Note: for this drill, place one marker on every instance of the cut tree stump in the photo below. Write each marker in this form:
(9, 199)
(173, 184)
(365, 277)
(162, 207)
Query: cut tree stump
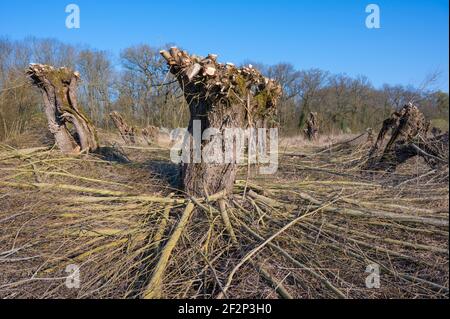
(127, 132)
(409, 138)
(150, 134)
(312, 127)
(220, 96)
(59, 90)
(133, 135)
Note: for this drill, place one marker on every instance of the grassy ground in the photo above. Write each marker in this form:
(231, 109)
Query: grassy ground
(309, 231)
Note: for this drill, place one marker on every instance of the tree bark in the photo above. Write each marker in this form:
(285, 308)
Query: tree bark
(150, 134)
(133, 135)
(312, 127)
(127, 132)
(219, 96)
(59, 87)
(408, 126)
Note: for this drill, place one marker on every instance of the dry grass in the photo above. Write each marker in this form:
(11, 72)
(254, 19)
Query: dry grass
(309, 231)
(300, 142)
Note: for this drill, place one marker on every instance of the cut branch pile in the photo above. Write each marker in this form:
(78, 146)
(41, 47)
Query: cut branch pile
(309, 232)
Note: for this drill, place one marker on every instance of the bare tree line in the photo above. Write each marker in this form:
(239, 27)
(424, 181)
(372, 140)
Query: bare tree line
(138, 85)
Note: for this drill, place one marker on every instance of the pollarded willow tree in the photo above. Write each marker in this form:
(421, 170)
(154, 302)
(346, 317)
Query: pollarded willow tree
(312, 126)
(409, 138)
(133, 135)
(127, 132)
(59, 90)
(220, 96)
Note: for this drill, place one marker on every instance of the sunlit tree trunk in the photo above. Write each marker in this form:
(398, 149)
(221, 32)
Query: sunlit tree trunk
(59, 89)
(219, 96)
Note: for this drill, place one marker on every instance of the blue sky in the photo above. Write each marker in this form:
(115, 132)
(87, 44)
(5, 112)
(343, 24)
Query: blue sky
(328, 34)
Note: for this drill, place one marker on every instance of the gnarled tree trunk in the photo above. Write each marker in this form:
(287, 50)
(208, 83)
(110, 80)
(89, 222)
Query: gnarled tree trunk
(150, 134)
(219, 96)
(133, 135)
(408, 126)
(127, 132)
(59, 88)
(312, 126)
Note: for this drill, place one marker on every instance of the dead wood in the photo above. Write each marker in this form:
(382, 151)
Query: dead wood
(435, 131)
(434, 150)
(132, 135)
(127, 132)
(409, 138)
(312, 127)
(150, 134)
